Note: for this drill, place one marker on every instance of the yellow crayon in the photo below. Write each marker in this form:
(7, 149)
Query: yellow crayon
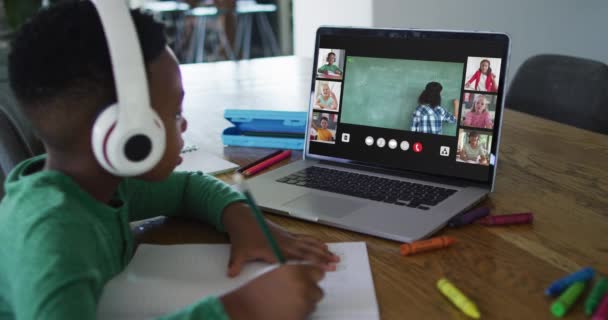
(458, 298)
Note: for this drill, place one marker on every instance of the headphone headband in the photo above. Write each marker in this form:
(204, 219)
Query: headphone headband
(128, 137)
(127, 59)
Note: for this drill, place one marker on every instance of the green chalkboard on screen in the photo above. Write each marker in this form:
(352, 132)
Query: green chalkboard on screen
(382, 92)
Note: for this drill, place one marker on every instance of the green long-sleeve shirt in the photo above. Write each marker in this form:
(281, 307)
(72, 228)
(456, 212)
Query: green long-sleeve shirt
(331, 68)
(59, 246)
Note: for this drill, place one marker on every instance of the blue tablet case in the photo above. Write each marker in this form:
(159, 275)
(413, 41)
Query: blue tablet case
(266, 122)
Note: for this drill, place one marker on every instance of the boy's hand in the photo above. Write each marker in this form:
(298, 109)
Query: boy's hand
(288, 292)
(250, 244)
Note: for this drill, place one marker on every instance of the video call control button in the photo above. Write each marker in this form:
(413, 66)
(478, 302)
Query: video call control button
(405, 145)
(380, 142)
(369, 141)
(392, 143)
(417, 147)
(346, 137)
(444, 151)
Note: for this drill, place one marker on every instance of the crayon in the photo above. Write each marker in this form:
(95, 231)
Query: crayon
(426, 245)
(595, 296)
(469, 217)
(243, 168)
(560, 285)
(567, 299)
(602, 311)
(267, 163)
(507, 219)
(458, 298)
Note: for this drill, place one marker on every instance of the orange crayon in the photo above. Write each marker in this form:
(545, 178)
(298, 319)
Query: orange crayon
(426, 245)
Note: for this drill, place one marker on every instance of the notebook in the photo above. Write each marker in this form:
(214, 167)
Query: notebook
(405, 150)
(195, 159)
(161, 279)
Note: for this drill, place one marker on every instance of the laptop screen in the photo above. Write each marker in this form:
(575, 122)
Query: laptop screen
(411, 100)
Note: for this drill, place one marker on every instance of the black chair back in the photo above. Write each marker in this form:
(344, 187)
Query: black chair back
(566, 89)
(17, 142)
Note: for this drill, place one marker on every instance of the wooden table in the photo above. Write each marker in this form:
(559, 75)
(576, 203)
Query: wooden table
(556, 171)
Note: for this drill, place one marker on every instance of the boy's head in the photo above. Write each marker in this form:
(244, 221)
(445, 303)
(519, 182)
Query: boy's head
(473, 139)
(331, 58)
(60, 71)
(324, 122)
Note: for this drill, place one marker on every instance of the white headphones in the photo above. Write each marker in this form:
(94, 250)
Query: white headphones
(128, 137)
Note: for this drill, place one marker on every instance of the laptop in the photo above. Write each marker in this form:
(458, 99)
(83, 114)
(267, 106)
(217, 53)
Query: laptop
(403, 131)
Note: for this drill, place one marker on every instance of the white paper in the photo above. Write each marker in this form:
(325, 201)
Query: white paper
(162, 279)
(199, 160)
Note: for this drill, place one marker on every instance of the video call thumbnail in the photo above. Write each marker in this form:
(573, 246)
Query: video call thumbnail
(478, 110)
(323, 127)
(482, 74)
(330, 64)
(327, 95)
(473, 147)
(411, 95)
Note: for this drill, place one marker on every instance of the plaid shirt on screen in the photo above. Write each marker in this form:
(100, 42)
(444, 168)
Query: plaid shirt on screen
(429, 120)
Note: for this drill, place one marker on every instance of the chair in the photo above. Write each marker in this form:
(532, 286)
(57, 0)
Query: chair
(17, 143)
(173, 14)
(566, 89)
(247, 10)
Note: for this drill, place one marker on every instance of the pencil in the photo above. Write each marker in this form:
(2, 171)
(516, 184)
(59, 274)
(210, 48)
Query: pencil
(241, 169)
(238, 178)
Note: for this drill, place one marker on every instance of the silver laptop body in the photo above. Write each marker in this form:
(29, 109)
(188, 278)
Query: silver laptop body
(396, 57)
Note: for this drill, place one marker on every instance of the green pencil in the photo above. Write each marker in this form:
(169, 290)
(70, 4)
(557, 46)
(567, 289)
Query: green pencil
(238, 178)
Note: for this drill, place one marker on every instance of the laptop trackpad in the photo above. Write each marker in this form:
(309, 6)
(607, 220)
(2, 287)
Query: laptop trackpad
(316, 204)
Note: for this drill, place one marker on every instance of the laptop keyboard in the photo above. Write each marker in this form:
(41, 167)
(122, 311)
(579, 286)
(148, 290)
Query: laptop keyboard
(397, 192)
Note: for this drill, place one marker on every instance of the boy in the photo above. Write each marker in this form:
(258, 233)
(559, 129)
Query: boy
(323, 134)
(64, 220)
(473, 151)
(330, 66)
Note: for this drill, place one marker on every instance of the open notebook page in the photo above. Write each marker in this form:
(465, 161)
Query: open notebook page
(195, 159)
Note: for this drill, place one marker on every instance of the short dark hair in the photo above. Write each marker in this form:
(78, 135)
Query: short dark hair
(431, 94)
(325, 118)
(60, 60)
(330, 54)
(473, 134)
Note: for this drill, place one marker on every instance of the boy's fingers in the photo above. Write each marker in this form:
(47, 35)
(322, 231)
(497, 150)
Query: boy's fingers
(315, 294)
(314, 253)
(310, 239)
(237, 261)
(235, 264)
(318, 243)
(316, 273)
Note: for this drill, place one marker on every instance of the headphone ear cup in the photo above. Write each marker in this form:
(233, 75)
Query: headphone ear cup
(128, 149)
(103, 127)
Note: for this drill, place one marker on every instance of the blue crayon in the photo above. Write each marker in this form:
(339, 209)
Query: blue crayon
(469, 217)
(562, 284)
